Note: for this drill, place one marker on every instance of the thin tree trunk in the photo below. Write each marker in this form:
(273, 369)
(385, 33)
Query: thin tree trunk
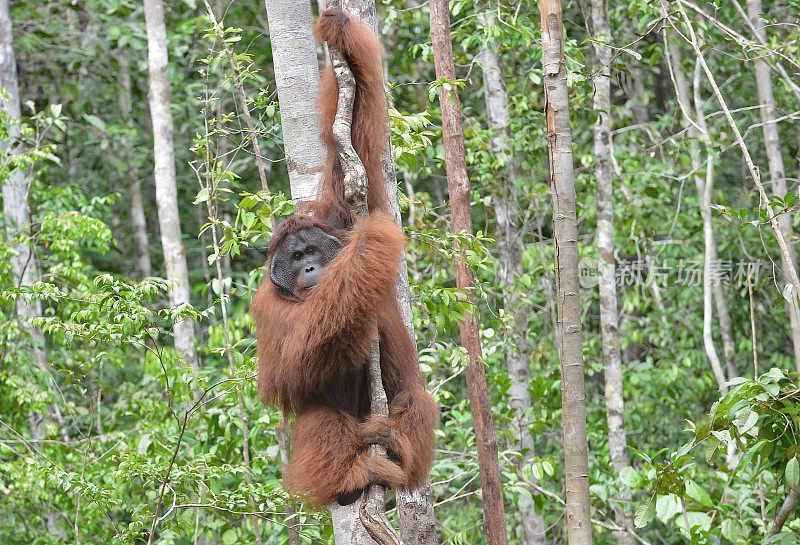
(24, 268)
(777, 173)
(141, 245)
(609, 318)
(683, 95)
(164, 174)
(510, 268)
(565, 228)
(459, 189)
(696, 45)
(283, 433)
(705, 187)
(294, 55)
(724, 317)
(415, 507)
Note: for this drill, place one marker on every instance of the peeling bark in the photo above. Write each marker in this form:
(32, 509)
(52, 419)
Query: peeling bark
(565, 226)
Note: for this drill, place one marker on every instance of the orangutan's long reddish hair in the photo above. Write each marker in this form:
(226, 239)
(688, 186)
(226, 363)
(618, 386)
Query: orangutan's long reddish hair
(311, 363)
(370, 118)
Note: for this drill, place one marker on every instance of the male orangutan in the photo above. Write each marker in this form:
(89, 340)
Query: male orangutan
(328, 281)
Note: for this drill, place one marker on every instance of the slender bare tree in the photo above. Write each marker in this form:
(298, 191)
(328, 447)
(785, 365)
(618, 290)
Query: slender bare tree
(777, 173)
(458, 186)
(509, 250)
(141, 245)
(565, 227)
(609, 317)
(704, 185)
(164, 174)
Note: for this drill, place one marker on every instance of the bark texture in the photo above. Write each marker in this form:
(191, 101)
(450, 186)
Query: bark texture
(459, 189)
(509, 249)
(609, 317)
(141, 246)
(164, 174)
(294, 55)
(565, 226)
(777, 173)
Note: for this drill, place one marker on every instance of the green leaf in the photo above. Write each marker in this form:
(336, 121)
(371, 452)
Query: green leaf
(229, 536)
(792, 472)
(202, 196)
(746, 421)
(629, 476)
(645, 513)
(731, 530)
(698, 494)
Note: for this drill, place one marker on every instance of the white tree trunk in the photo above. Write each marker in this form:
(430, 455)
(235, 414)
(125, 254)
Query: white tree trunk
(24, 267)
(683, 95)
(510, 268)
(164, 174)
(15, 189)
(141, 244)
(609, 317)
(294, 55)
(777, 173)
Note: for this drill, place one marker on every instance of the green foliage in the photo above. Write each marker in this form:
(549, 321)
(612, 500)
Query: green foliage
(115, 431)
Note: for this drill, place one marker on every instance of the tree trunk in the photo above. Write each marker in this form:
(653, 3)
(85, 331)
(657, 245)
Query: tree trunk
(164, 174)
(777, 173)
(609, 318)
(565, 228)
(141, 245)
(704, 186)
(415, 507)
(24, 268)
(458, 186)
(294, 55)
(509, 249)
(297, 81)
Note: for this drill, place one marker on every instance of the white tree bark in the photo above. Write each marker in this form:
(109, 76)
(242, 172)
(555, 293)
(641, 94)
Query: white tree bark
(24, 267)
(777, 173)
(141, 244)
(704, 187)
(509, 248)
(609, 317)
(164, 174)
(15, 188)
(294, 56)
